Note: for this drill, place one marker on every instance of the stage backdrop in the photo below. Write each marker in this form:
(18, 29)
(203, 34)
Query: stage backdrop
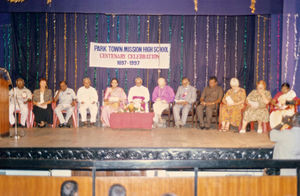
(56, 46)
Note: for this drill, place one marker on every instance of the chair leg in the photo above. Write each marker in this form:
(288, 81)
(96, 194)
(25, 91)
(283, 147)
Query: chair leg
(251, 126)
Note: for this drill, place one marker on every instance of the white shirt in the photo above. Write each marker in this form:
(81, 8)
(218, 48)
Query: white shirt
(66, 97)
(139, 92)
(87, 95)
(22, 95)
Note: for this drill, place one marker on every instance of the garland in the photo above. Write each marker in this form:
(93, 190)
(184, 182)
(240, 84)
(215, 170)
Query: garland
(287, 46)
(65, 46)
(138, 39)
(96, 39)
(245, 50)
(28, 47)
(47, 52)
(159, 40)
(37, 49)
(206, 44)
(264, 48)
(75, 51)
(296, 46)
(269, 48)
(195, 50)
(181, 50)
(118, 40)
(9, 47)
(54, 51)
(127, 36)
(235, 46)
(107, 40)
(4, 45)
(86, 44)
(217, 45)
(225, 51)
(257, 46)
(170, 40)
(148, 39)
(278, 53)
(19, 45)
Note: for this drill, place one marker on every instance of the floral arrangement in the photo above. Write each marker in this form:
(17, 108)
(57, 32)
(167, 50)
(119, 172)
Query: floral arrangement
(133, 107)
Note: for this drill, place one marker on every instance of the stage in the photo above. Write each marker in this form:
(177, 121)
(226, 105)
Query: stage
(156, 144)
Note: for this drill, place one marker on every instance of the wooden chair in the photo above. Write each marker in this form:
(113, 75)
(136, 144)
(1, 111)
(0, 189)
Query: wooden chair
(74, 116)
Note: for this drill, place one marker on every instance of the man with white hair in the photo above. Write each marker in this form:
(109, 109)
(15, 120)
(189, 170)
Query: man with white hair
(22, 95)
(139, 94)
(162, 95)
(185, 96)
(87, 98)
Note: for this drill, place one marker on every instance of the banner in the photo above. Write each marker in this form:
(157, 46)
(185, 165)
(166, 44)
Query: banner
(130, 55)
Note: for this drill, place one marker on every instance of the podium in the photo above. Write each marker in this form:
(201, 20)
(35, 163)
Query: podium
(4, 105)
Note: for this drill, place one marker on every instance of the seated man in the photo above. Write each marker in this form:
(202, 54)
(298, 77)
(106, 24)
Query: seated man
(161, 96)
(287, 141)
(22, 96)
(66, 99)
(87, 97)
(185, 96)
(139, 95)
(210, 98)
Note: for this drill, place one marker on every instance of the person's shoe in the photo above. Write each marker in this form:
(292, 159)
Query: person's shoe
(85, 125)
(259, 131)
(177, 124)
(92, 125)
(242, 131)
(61, 125)
(67, 125)
(207, 128)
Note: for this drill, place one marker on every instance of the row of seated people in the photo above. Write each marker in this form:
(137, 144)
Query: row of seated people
(232, 107)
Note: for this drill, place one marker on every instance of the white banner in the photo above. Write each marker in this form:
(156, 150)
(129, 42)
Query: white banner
(130, 55)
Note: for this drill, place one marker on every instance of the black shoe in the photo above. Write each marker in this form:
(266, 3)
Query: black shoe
(207, 128)
(67, 125)
(202, 127)
(61, 125)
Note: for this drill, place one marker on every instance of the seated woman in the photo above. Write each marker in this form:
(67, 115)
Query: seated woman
(233, 103)
(256, 109)
(114, 101)
(283, 105)
(42, 99)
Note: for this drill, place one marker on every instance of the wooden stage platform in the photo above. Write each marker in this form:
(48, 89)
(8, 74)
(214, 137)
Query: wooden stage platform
(156, 144)
(155, 138)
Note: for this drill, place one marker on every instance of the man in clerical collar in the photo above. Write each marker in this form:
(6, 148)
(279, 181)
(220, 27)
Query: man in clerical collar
(139, 95)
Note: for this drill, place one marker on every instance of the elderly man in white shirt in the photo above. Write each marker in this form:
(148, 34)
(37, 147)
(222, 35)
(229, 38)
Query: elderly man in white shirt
(66, 102)
(22, 95)
(87, 97)
(139, 94)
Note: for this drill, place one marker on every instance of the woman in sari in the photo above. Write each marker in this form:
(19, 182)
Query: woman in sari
(257, 110)
(114, 101)
(283, 105)
(232, 105)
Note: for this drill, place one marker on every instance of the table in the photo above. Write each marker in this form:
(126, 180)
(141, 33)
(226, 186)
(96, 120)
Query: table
(128, 120)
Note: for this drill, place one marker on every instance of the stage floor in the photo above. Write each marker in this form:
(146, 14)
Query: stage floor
(156, 138)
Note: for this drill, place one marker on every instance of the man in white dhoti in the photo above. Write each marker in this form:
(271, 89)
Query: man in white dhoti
(185, 97)
(87, 98)
(22, 95)
(66, 102)
(139, 95)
